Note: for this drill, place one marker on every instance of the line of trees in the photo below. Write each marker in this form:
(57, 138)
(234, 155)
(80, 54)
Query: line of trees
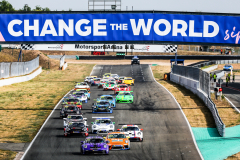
(5, 6)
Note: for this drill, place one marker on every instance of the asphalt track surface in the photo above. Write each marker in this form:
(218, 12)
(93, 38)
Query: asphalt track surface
(166, 133)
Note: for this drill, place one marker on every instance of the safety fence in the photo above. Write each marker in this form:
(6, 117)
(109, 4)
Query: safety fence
(62, 60)
(18, 68)
(207, 63)
(200, 85)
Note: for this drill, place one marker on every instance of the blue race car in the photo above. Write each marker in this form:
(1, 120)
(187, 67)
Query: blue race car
(109, 98)
(228, 67)
(102, 106)
(85, 91)
(94, 145)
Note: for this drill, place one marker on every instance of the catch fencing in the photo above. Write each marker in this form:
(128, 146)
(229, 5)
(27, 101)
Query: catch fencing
(62, 60)
(18, 68)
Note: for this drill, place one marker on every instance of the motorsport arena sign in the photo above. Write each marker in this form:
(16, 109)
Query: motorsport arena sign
(134, 27)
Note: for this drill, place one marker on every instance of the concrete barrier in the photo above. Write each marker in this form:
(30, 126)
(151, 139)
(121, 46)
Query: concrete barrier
(193, 86)
(210, 68)
(10, 81)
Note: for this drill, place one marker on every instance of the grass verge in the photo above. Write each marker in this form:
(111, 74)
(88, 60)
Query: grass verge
(7, 155)
(234, 157)
(193, 107)
(25, 106)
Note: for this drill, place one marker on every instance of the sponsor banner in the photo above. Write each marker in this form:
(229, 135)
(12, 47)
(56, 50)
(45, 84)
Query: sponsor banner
(99, 47)
(134, 27)
(98, 53)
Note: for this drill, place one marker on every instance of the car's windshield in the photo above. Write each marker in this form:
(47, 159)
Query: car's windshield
(128, 78)
(79, 94)
(75, 117)
(124, 93)
(70, 108)
(123, 86)
(121, 77)
(96, 79)
(77, 125)
(116, 136)
(108, 98)
(72, 100)
(95, 140)
(102, 103)
(103, 121)
(111, 83)
(126, 129)
(228, 66)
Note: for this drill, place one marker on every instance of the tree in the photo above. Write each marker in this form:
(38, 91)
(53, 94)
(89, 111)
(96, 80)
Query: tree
(38, 8)
(25, 8)
(5, 6)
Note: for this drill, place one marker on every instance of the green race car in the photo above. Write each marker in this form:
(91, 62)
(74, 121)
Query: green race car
(124, 97)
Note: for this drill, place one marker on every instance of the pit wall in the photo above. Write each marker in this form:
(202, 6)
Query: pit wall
(193, 85)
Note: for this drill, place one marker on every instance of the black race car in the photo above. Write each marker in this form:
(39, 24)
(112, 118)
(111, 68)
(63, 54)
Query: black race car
(135, 60)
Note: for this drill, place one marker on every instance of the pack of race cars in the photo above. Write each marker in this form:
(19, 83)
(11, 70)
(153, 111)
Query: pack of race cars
(75, 123)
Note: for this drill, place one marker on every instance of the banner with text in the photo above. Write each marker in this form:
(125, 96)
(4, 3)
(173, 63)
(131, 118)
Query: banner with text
(119, 27)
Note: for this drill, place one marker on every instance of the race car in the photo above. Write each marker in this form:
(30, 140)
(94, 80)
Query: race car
(120, 80)
(76, 128)
(135, 60)
(107, 75)
(93, 76)
(102, 106)
(128, 80)
(102, 82)
(72, 101)
(88, 79)
(115, 76)
(94, 145)
(80, 96)
(133, 131)
(95, 81)
(118, 141)
(82, 85)
(109, 85)
(121, 87)
(73, 117)
(85, 91)
(103, 125)
(69, 109)
(109, 98)
(228, 67)
(124, 97)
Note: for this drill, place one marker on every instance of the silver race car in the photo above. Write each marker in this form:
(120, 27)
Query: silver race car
(103, 125)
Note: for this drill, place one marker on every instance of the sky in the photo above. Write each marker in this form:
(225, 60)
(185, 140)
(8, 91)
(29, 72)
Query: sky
(215, 6)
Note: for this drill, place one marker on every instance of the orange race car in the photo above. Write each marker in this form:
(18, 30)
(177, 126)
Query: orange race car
(118, 140)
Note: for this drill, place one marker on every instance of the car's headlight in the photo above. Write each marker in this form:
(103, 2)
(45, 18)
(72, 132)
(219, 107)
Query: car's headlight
(126, 141)
(85, 146)
(111, 126)
(105, 146)
(94, 126)
(139, 133)
(109, 107)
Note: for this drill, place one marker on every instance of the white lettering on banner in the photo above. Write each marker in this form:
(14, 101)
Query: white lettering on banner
(112, 26)
(206, 27)
(191, 30)
(10, 28)
(97, 27)
(141, 24)
(87, 28)
(125, 26)
(52, 31)
(63, 26)
(35, 27)
(157, 24)
(181, 30)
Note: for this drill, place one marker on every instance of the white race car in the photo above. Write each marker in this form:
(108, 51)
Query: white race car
(133, 132)
(88, 79)
(74, 118)
(82, 85)
(103, 125)
(109, 85)
(81, 96)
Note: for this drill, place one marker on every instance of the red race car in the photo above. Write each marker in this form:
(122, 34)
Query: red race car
(121, 87)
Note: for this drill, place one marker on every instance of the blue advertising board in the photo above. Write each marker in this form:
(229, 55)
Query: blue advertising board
(125, 27)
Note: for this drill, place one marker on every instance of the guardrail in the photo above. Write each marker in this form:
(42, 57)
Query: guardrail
(18, 68)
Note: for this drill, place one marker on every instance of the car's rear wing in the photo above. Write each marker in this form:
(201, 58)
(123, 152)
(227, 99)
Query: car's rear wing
(125, 91)
(82, 88)
(104, 117)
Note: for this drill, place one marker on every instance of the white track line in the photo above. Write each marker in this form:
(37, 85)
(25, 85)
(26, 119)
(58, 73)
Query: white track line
(189, 126)
(45, 123)
(232, 105)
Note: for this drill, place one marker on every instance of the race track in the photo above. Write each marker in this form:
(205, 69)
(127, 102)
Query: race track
(166, 133)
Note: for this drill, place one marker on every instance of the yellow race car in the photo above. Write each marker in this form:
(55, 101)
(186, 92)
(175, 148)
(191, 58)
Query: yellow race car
(107, 75)
(128, 80)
